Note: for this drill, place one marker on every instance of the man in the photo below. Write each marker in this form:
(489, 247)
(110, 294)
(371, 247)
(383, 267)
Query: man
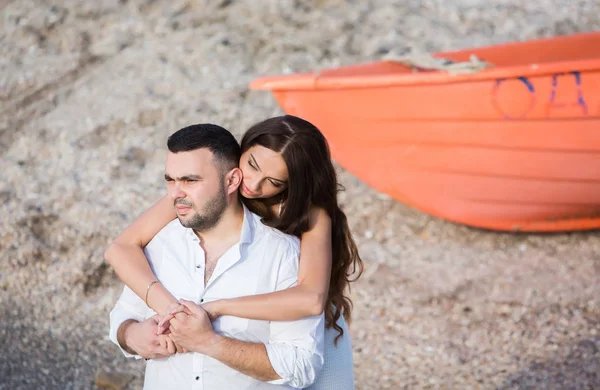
(217, 249)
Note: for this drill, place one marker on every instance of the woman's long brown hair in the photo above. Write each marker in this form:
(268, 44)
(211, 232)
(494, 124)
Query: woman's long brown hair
(312, 182)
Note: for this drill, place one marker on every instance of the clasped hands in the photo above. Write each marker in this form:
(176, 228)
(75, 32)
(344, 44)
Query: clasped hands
(185, 328)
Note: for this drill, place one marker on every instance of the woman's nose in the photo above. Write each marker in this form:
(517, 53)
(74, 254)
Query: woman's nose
(254, 185)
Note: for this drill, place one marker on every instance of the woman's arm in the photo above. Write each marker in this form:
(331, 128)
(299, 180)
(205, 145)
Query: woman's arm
(305, 299)
(126, 256)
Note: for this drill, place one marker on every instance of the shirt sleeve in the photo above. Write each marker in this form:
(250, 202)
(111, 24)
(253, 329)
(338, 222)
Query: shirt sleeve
(130, 306)
(295, 348)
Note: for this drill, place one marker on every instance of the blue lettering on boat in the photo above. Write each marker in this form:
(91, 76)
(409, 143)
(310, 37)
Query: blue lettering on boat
(552, 101)
(530, 88)
(580, 99)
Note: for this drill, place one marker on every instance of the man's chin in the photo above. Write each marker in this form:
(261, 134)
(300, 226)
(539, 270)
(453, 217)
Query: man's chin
(185, 220)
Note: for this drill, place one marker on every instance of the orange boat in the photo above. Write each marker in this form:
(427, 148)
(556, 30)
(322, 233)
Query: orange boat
(513, 147)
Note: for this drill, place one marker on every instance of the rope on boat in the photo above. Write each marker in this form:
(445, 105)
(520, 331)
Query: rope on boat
(429, 62)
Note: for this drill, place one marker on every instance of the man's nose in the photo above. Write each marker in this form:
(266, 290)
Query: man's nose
(175, 192)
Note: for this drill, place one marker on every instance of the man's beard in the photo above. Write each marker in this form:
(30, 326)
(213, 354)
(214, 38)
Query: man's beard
(211, 215)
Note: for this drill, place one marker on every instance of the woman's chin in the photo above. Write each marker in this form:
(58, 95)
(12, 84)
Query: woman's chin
(246, 196)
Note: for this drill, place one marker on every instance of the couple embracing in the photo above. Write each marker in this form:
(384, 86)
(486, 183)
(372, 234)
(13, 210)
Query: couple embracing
(239, 277)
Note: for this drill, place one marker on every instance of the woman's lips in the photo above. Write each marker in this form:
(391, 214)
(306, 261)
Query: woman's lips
(247, 191)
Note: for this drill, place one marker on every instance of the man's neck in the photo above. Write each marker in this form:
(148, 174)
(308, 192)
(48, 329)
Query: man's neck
(229, 226)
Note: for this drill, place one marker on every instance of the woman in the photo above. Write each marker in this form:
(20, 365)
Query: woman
(289, 180)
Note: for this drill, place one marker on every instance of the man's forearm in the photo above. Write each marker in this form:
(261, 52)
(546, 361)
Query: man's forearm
(248, 358)
(121, 336)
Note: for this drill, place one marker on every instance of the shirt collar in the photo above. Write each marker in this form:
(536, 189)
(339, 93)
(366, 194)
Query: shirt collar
(248, 226)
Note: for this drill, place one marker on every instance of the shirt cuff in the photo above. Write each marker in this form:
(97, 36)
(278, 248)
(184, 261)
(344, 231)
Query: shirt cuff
(298, 369)
(116, 320)
(282, 366)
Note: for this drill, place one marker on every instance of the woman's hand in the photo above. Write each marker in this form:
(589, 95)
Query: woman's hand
(192, 329)
(214, 308)
(164, 322)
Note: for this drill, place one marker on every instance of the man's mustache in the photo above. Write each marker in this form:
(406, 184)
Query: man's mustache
(183, 202)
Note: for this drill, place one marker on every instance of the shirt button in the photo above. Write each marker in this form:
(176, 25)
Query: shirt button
(201, 299)
(197, 266)
(197, 378)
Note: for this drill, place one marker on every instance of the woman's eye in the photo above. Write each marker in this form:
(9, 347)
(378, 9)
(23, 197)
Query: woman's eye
(276, 185)
(251, 164)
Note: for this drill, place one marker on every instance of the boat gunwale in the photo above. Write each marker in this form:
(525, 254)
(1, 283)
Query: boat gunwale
(314, 81)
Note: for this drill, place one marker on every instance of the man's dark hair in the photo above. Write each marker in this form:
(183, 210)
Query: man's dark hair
(218, 140)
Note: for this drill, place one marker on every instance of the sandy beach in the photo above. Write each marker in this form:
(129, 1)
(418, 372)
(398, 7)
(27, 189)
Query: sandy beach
(89, 93)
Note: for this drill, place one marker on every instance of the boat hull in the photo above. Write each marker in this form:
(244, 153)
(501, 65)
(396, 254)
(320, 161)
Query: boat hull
(511, 153)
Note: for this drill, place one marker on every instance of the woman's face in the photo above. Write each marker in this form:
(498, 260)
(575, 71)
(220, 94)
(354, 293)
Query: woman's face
(265, 173)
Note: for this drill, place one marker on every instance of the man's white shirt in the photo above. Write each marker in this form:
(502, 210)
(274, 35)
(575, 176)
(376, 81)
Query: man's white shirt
(263, 261)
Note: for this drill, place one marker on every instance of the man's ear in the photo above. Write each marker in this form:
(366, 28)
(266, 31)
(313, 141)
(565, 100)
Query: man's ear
(233, 179)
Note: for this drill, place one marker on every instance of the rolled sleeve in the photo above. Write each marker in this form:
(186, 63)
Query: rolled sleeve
(295, 348)
(299, 359)
(130, 306)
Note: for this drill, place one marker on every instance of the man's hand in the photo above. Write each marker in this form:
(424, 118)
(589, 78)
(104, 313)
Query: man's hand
(141, 338)
(163, 324)
(192, 329)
